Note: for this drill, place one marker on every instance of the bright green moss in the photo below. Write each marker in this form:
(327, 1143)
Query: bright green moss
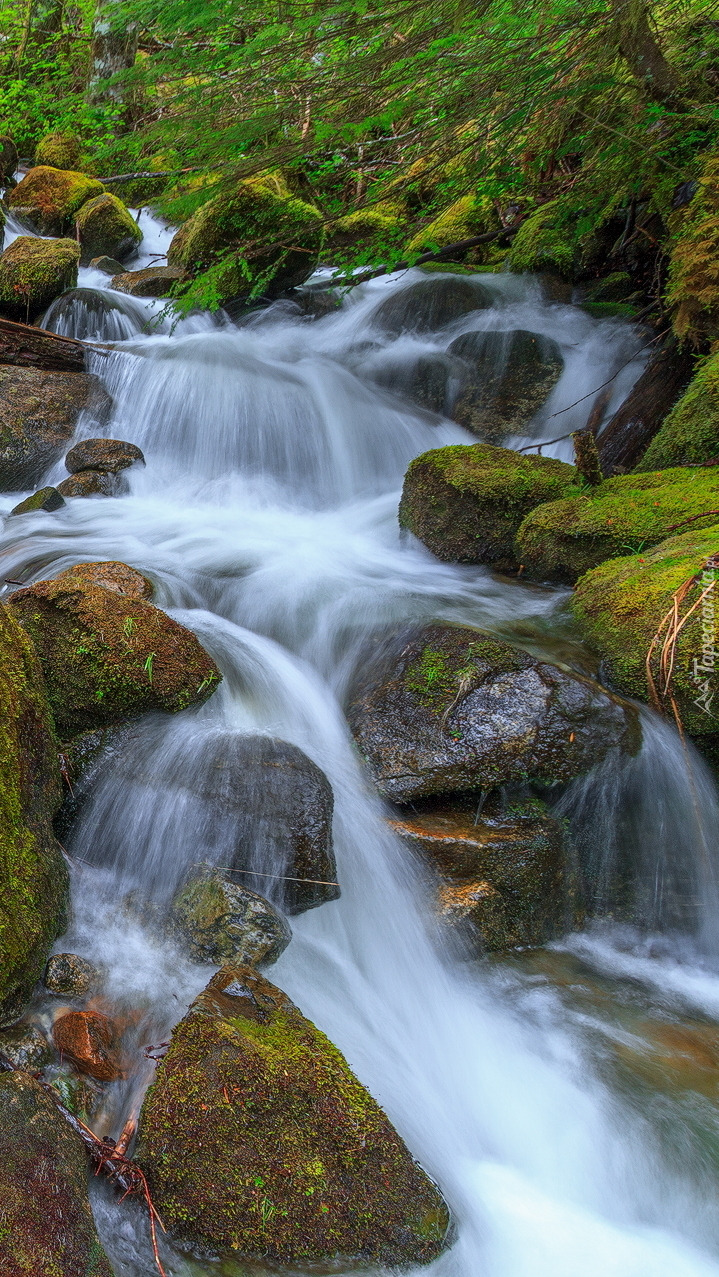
(541, 244)
(563, 539)
(694, 263)
(466, 502)
(59, 150)
(51, 197)
(35, 271)
(105, 227)
(621, 604)
(467, 217)
(690, 434)
(363, 227)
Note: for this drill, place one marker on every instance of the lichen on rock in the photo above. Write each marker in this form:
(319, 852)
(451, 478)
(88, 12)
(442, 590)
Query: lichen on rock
(467, 502)
(50, 198)
(33, 272)
(222, 921)
(257, 1140)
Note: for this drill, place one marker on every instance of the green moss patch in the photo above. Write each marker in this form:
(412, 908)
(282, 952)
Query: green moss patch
(33, 272)
(465, 218)
(694, 264)
(563, 539)
(542, 244)
(59, 150)
(466, 503)
(105, 227)
(51, 197)
(690, 433)
(256, 1139)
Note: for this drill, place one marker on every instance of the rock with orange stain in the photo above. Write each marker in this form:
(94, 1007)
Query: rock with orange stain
(88, 1039)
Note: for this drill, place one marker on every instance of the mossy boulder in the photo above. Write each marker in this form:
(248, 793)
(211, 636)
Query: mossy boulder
(693, 288)
(501, 872)
(59, 150)
(257, 1140)
(222, 921)
(363, 227)
(33, 880)
(429, 304)
(621, 604)
(441, 708)
(690, 433)
(563, 539)
(466, 217)
(426, 379)
(33, 272)
(466, 503)
(47, 1225)
(257, 237)
(107, 656)
(104, 226)
(48, 499)
(38, 415)
(505, 379)
(543, 243)
(50, 197)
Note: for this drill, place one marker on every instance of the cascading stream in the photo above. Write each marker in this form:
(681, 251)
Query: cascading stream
(266, 516)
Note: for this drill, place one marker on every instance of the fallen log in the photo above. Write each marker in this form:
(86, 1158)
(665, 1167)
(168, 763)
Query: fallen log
(628, 434)
(30, 347)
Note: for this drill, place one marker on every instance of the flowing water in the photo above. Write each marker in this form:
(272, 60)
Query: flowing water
(570, 1132)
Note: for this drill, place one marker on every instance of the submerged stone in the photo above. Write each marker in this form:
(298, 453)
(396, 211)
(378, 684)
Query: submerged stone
(93, 483)
(507, 378)
(222, 921)
(48, 1227)
(87, 1039)
(257, 1140)
(441, 708)
(466, 503)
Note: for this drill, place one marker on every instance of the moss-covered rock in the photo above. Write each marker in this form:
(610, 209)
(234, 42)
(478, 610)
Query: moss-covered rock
(621, 604)
(501, 872)
(50, 198)
(47, 1225)
(429, 304)
(694, 262)
(440, 708)
(363, 227)
(258, 236)
(33, 881)
(543, 244)
(104, 226)
(38, 415)
(33, 272)
(563, 539)
(59, 150)
(256, 1139)
(506, 378)
(690, 433)
(466, 503)
(45, 499)
(466, 217)
(222, 921)
(108, 657)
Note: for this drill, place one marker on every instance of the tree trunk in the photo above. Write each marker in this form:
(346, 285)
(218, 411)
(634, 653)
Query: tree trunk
(640, 50)
(113, 50)
(627, 436)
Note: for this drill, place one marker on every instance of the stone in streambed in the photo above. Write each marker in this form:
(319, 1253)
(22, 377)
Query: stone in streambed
(467, 503)
(50, 197)
(106, 656)
(69, 975)
(93, 483)
(429, 304)
(441, 708)
(47, 1225)
(108, 265)
(33, 272)
(38, 414)
(257, 1140)
(87, 1039)
(48, 499)
(110, 455)
(222, 921)
(507, 376)
(25, 1046)
(153, 281)
(104, 226)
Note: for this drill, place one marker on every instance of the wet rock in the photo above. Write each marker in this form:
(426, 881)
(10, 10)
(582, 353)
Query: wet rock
(442, 708)
(110, 455)
(620, 605)
(426, 379)
(47, 1221)
(104, 225)
(508, 376)
(467, 503)
(69, 975)
(554, 289)
(288, 1159)
(107, 657)
(8, 156)
(45, 499)
(33, 879)
(93, 483)
(117, 577)
(38, 415)
(502, 870)
(624, 440)
(563, 539)
(87, 1039)
(276, 808)
(30, 347)
(430, 304)
(33, 272)
(108, 265)
(81, 1094)
(224, 922)
(60, 150)
(153, 281)
(277, 233)
(50, 197)
(25, 1046)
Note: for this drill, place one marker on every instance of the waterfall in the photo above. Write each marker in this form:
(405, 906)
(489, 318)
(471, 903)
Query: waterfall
(266, 518)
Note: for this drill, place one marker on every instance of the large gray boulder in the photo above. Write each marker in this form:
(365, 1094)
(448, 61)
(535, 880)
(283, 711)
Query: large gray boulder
(430, 304)
(443, 708)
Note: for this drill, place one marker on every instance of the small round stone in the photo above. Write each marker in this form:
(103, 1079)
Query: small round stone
(110, 455)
